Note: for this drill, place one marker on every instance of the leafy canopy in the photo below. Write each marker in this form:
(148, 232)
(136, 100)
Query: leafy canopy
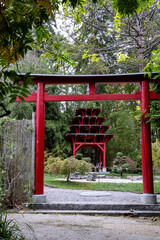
(22, 28)
(17, 21)
(129, 7)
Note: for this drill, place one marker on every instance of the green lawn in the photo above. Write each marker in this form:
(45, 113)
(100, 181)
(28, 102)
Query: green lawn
(50, 180)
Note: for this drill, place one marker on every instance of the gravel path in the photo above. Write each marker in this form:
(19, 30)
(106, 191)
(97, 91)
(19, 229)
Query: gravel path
(108, 197)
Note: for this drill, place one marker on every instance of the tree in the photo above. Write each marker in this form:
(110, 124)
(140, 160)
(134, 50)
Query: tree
(129, 7)
(122, 163)
(107, 43)
(71, 165)
(156, 153)
(127, 135)
(22, 27)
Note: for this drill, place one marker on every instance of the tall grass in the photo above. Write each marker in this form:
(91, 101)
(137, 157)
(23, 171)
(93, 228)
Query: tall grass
(9, 229)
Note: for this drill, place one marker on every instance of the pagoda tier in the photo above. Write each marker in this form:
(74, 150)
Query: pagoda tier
(87, 120)
(98, 138)
(87, 132)
(88, 128)
(88, 112)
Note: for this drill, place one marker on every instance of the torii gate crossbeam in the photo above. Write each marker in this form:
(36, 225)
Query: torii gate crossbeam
(144, 95)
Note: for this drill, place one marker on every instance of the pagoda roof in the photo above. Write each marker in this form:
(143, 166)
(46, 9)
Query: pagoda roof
(86, 125)
(97, 137)
(93, 119)
(91, 127)
(88, 111)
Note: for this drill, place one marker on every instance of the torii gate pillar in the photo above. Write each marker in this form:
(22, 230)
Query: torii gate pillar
(39, 196)
(148, 196)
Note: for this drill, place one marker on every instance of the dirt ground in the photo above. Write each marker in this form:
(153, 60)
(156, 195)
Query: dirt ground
(81, 227)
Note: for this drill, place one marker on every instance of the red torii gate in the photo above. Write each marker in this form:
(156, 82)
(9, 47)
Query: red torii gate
(144, 95)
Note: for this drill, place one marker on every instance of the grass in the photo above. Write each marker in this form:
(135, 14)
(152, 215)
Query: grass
(9, 229)
(52, 181)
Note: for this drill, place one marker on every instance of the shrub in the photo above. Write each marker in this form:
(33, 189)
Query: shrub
(156, 153)
(126, 165)
(71, 165)
(119, 154)
(123, 163)
(86, 159)
(51, 161)
(119, 170)
(114, 169)
(3, 191)
(79, 156)
(46, 156)
(116, 161)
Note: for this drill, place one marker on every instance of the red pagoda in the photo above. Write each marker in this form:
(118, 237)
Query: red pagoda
(87, 132)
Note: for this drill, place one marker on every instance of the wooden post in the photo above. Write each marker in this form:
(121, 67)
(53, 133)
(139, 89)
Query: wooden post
(104, 157)
(146, 140)
(100, 160)
(40, 123)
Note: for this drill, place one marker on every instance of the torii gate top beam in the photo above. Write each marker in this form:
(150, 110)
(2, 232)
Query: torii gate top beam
(89, 79)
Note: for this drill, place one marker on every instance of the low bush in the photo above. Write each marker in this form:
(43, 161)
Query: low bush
(114, 169)
(122, 164)
(71, 165)
(119, 154)
(119, 170)
(86, 159)
(116, 161)
(126, 165)
(51, 161)
(79, 156)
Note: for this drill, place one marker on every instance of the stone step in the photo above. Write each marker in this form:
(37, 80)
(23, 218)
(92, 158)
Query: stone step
(136, 213)
(93, 206)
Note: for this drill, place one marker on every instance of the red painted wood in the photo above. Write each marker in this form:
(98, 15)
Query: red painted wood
(100, 160)
(104, 156)
(98, 97)
(146, 140)
(40, 97)
(92, 89)
(154, 96)
(40, 122)
(88, 133)
(97, 79)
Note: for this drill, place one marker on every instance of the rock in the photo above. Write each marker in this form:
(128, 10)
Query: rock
(91, 177)
(75, 175)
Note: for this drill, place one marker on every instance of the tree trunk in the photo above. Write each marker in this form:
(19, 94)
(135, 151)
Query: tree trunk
(68, 177)
(140, 42)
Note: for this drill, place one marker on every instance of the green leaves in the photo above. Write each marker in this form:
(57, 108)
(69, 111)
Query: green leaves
(129, 7)
(13, 85)
(154, 64)
(125, 7)
(75, 3)
(156, 153)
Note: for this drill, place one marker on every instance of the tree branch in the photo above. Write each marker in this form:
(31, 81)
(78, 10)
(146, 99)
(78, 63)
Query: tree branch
(7, 112)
